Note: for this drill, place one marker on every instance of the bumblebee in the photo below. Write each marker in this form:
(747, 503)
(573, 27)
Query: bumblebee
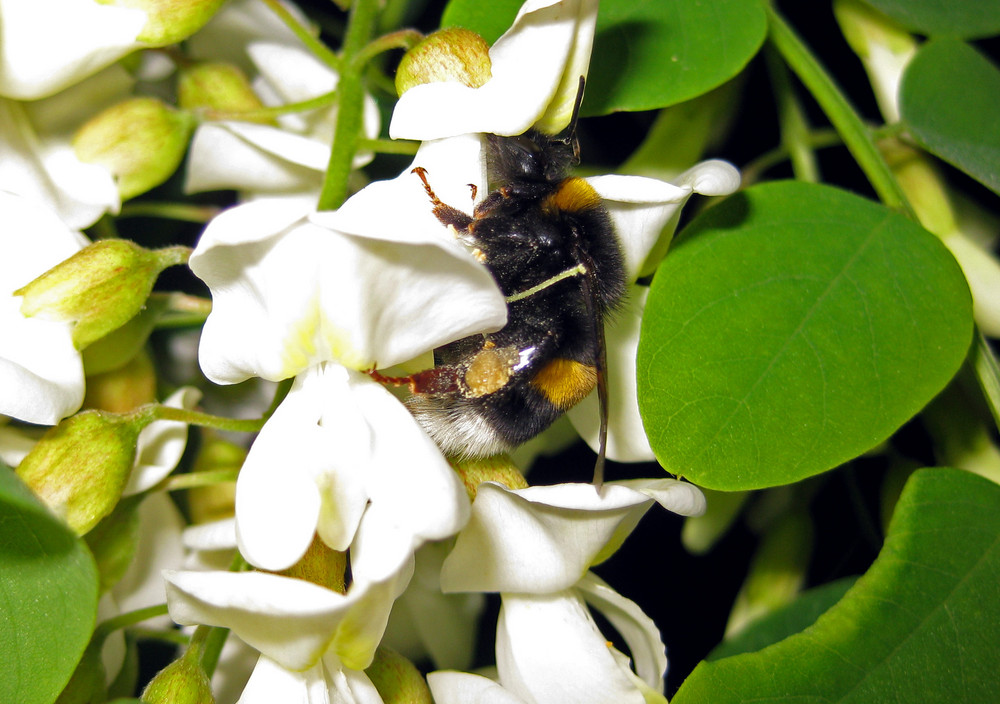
(548, 241)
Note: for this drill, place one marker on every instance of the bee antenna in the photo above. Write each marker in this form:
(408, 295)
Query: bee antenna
(569, 133)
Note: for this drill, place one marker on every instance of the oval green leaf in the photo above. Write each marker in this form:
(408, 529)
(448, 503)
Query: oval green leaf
(48, 587)
(949, 100)
(646, 55)
(790, 329)
(957, 18)
(919, 626)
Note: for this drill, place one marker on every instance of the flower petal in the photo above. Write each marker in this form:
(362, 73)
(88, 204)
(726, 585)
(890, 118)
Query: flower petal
(549, 650)
(316, 294)
(46, 45)
(627, 440)
(463, 687)
(289, 620)
(642, 207)
(253, 158)
(415, 496)
(567, 526)
(40, 370)
(548, 41)
(640, 633)
(161, 444)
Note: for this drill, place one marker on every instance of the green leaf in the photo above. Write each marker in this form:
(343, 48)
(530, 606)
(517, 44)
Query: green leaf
(646, 54)
(919, 626)
(958, 18)
(48, 592)
(790, 329)
(649, 55)
(488, 19)
(949, 100)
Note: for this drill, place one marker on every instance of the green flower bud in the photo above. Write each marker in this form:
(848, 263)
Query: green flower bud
(100, 288)
(123, 389)
(181, 682)
(499, 468)
(80, 467)
(210, 503)
(141, 141)
(218, 87)
(170, 21)
(397, 680)
(452, 54)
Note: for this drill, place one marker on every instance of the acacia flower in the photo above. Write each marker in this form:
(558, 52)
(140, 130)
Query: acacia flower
(535, 546)
(290, 154)
(300, 297)
(314, 642)
(41, 372)
(37, 159)
(535, 68)
(47, 45)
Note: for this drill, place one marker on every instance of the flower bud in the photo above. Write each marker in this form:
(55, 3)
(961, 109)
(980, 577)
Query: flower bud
(170, 21)
(397, 680)
(80, 467)
(452, 54)
(211, 503)
(123, 389)
(218, 87)
(141, 141)
(181, 682)
(100, 287)
(499, 468)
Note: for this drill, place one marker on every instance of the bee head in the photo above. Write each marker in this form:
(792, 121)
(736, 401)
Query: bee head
(535, 156)
(532, 156)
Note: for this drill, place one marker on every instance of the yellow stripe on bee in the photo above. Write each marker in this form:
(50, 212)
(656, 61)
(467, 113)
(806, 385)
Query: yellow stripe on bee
(565, 382)
(573, 195)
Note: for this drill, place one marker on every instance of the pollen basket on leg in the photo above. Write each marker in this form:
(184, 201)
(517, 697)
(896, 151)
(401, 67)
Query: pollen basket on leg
(565, 382)
(489, 370)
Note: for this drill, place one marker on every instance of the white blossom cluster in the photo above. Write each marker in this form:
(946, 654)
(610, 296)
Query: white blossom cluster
(320, 297)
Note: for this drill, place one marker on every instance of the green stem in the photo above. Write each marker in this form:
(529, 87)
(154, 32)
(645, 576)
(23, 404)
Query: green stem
(182, 415)
(350, 106)
(169, 211)
(842, 116)
(192, 480)
(389, 146)
(401, 39)
(269, 113)
(314, 45)
(129, 618)
(794, 128)
(819, 139)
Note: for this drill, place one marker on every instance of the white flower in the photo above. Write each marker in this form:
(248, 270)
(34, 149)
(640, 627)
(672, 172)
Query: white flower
(314, 642)
(41, 373)
(258, 158)
(47, 45)
(536, 67)
(535, 546)
(36, 153)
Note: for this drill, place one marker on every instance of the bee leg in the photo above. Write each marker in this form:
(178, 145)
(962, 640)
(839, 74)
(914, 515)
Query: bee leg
(442, 211)
(439, 380)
